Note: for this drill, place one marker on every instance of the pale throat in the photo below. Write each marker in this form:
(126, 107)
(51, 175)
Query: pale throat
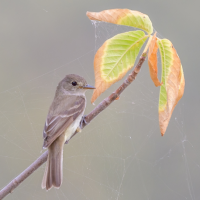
(77, 92)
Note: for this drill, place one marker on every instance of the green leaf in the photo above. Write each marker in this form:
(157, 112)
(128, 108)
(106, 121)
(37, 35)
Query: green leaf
(115, 57)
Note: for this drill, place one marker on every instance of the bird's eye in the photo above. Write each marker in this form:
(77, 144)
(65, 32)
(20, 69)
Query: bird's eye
(74, 83)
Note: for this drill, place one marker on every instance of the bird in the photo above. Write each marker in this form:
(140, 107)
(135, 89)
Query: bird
(63, 119)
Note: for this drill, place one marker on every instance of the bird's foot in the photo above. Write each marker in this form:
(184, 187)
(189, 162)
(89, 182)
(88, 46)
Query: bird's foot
(82, 122)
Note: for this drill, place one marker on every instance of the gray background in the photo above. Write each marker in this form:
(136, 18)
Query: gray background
(121, 154)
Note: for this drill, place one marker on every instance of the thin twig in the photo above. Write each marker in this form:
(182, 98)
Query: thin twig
(99, 108)
(21, 177)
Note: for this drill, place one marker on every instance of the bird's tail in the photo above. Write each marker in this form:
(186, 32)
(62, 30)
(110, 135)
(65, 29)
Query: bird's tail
(53, 174)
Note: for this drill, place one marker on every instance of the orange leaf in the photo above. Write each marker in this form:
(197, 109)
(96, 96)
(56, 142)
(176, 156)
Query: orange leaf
(181, 86)
(173, 82)
(152, 61)
(123, 17)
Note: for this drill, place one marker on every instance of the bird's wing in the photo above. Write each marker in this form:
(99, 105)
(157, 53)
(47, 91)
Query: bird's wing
(61, 116)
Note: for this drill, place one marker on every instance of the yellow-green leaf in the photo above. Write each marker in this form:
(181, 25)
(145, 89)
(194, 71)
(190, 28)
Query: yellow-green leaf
(173, 80)
(123, 17)
(114, 58)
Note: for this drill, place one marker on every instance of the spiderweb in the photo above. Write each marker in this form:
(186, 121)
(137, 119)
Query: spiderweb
(120, 155)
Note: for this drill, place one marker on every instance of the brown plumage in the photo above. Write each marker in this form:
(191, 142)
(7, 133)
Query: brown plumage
(63, 119)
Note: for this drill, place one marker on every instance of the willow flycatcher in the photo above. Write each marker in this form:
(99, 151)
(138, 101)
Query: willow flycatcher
(63, 119)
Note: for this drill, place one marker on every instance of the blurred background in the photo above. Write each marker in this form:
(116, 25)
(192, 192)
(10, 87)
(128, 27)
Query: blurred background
(121, 154)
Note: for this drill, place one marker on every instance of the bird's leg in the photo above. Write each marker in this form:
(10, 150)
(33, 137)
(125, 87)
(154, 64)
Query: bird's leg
(83, 121)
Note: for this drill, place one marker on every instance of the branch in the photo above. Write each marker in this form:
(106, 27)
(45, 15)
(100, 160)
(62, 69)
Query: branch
(107, 101)
(21, 177)
(103, 105)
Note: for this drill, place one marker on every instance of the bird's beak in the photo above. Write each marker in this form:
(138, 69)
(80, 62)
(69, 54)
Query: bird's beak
(88, 87)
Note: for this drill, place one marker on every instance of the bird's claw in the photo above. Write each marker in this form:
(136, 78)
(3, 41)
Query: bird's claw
(83, 121)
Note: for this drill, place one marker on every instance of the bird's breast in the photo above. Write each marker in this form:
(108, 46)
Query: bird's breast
(72, 128)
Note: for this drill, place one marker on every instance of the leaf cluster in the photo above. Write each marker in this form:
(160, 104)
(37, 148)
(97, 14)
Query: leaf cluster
(118, 54)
